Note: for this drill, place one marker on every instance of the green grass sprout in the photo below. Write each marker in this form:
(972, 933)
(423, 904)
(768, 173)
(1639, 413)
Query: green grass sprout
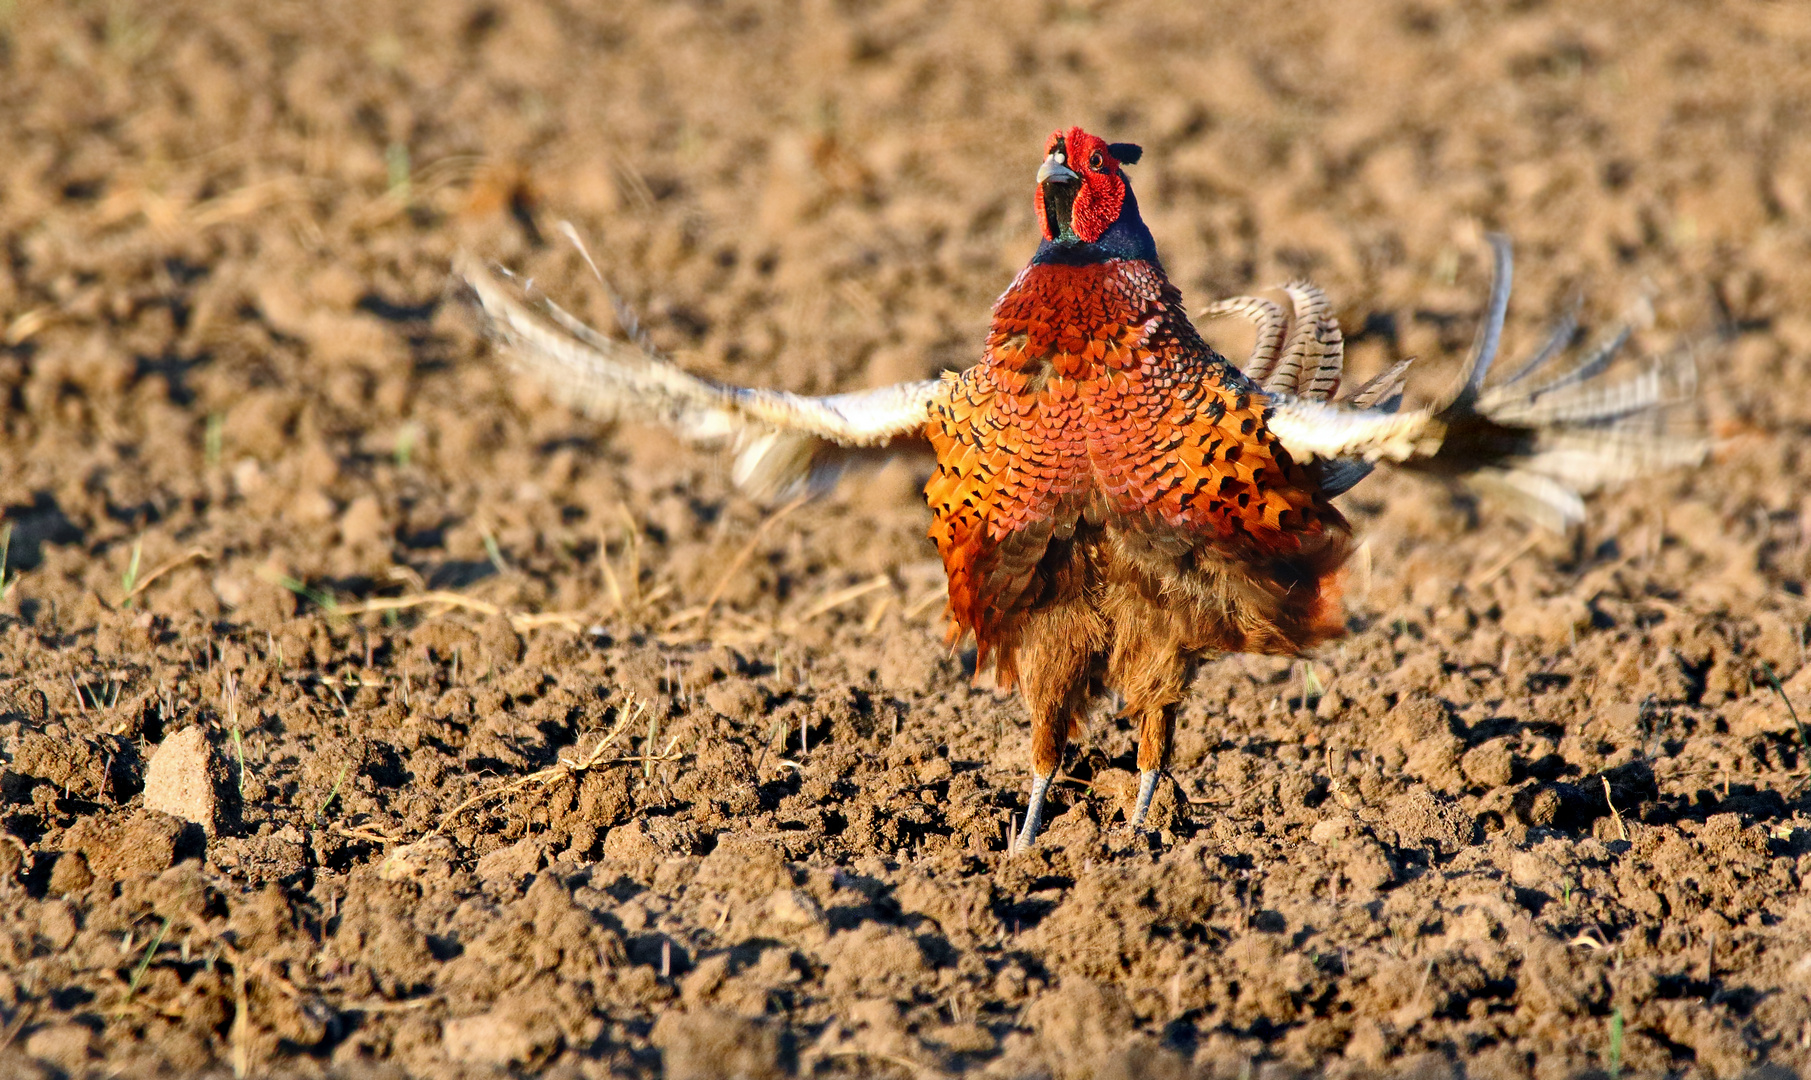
(396, 164)
(213, 440)
(494, 552)
(6, 547)
(1615, 1062)
(1774, 680)
(144, 962)
(129, 580)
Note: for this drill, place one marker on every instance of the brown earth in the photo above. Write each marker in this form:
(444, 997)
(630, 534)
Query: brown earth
(1540, 814)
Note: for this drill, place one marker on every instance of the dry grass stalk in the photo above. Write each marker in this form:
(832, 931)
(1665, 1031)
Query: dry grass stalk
(1496, 569)
(626, 601)
(877, 612)
(569, 768)
(1622, 831)
(379, 1005)
(923, 604)
(448, 601)
(359, 832)
(241, 1032)
(248, 201)
(748, 630)
(26, 325)
(26, 1013)
(839, 598)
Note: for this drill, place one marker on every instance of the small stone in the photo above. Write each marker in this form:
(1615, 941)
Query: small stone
(935, 770)
(1332, 830)
(1530, 869)
(185, 779)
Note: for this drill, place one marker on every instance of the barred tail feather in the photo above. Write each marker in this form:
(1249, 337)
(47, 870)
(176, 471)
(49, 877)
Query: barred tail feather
(1545, 446)
(1541, 446)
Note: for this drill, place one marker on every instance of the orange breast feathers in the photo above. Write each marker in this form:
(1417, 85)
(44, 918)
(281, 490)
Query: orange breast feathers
(1095, 386)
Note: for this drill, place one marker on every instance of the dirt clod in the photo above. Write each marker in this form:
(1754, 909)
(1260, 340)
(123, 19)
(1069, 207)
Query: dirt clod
(492, 1038)
(707, 1044)
(67, 1046)
(1078, 1025)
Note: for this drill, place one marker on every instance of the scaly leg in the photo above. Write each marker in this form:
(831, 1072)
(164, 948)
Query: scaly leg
(1051, 720)
(1155, 736)
(1147, 787)
(1034, 813)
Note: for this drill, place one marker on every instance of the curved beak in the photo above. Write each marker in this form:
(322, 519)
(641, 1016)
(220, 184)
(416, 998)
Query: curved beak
(1053, 171)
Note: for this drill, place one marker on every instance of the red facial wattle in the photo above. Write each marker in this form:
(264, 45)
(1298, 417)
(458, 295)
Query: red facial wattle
(1101, 188)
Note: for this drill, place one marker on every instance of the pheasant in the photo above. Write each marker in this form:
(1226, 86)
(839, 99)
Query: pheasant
(1113, 500)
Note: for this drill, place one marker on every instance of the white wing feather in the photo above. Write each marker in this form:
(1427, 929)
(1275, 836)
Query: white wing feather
(784, 443)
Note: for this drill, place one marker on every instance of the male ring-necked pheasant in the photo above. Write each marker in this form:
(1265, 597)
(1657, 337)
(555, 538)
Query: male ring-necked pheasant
(1113, 499)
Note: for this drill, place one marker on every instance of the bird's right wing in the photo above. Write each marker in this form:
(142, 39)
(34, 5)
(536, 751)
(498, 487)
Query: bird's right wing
(1541, 443)
(783, 443)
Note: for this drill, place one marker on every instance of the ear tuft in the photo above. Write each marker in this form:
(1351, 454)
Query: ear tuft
(1125, 153)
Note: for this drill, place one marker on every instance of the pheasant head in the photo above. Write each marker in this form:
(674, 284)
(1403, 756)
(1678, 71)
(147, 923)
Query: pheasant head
(1085, 203)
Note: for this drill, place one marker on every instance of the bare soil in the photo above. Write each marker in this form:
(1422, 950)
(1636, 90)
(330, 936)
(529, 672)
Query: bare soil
(1541, 814)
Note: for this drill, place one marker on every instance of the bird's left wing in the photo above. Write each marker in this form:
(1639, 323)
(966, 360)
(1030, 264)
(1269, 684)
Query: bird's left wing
(783, 443)
(1542, 443)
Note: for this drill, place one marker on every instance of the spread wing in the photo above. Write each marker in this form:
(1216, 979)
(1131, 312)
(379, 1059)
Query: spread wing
(783, 443)
(1542, 443)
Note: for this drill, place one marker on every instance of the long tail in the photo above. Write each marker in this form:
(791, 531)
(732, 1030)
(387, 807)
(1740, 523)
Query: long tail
(1539, 443)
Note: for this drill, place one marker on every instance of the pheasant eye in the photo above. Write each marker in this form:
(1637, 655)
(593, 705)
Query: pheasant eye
(1095, 161)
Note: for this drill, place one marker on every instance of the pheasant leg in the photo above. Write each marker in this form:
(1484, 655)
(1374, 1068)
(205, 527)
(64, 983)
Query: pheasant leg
(1155, 734)
(1034, 812)
(1147, 787)
(1053, 674)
